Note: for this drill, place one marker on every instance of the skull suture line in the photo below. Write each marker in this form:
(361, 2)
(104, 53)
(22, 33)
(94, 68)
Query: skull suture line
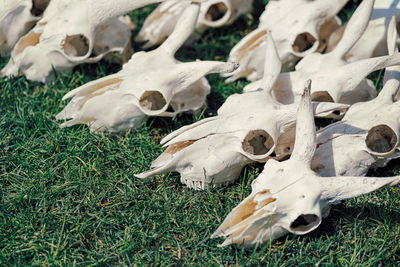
(148, 85)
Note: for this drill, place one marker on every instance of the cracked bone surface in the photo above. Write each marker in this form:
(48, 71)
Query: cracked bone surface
(368, 135)
(299, 27)
(214, 13)
(17, 17)
(72, 32)
(334, 80)
(288, 197)
(150, 84)
(373, 41)
(249, 127)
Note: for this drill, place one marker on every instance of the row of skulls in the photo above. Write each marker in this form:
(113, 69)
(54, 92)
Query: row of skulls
(305, 170)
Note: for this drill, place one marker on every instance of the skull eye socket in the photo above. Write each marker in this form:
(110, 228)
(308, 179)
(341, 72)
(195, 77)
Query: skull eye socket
(152, 100)
(322, 96)
(38, 7)
(216, 12)
(303, 42)
(76, 45)
(257, 142)
(304, 223)
(381, 139)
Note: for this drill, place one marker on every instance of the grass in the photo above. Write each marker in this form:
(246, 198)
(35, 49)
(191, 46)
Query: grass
(68, 197)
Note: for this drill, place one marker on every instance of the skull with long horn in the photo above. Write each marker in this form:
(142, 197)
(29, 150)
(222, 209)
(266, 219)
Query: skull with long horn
(214, 13)
(151, 84)
(288, 197)
(249, 127)
(299, 27)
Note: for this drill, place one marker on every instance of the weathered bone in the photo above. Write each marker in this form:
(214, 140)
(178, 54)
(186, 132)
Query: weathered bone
(334, 80)
(70, 33)
(373, 41)
(249, 127)
(17, 17)
(149, 84)
(369, 133)
(288, 197)
(299, 27)
(214, 13)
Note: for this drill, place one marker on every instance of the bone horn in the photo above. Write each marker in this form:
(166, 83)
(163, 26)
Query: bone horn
(355, 28)
(391, 79)
(335, 189)
(305, 144)
(273, 65)
(106, 9)
(183, 29)
(192, 71)
(352, 74)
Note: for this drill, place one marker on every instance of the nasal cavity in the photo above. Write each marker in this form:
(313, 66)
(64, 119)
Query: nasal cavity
(38, 7)
(322, 96)
(216, 12)
(257, 142)
(303, 42)
(76, 45)
(152, 100)
(305, 223)
(381, 139)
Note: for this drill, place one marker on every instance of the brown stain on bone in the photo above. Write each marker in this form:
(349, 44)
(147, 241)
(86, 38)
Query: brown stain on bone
(251, 44)
(30, 39)
(172, 149)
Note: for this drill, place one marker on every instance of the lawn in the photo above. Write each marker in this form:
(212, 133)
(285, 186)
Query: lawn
(69, 197)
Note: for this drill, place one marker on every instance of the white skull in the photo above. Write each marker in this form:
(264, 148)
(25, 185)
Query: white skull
(288, 197)
(17, 17)
(298, 27)
(148, 85)
(373, 41)
(214, 13)
(72, 32)
(249, 127)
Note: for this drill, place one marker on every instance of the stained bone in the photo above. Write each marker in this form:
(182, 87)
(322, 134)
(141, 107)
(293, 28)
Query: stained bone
(249, 127)
(148, 85)
(299, 27)
(17, 17)
(214, 13)
(71, 32)
(288, 197)
(334, 79)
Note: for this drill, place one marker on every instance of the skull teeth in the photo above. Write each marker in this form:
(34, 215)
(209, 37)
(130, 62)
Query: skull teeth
(202, 185)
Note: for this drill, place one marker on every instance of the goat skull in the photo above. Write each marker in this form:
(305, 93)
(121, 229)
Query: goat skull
(288, 197)
(148, 84)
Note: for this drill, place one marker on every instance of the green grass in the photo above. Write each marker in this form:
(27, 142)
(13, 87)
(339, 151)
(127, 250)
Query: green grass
(68, 197)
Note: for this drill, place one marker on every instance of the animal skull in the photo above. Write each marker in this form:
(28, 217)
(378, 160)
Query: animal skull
(369, 133)
(334, 79)
(249, 127)
(214, 13)
(299, 27)
(288, 197)
(17, 17)
(149, 84)
(72, 32)
(373, 42)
